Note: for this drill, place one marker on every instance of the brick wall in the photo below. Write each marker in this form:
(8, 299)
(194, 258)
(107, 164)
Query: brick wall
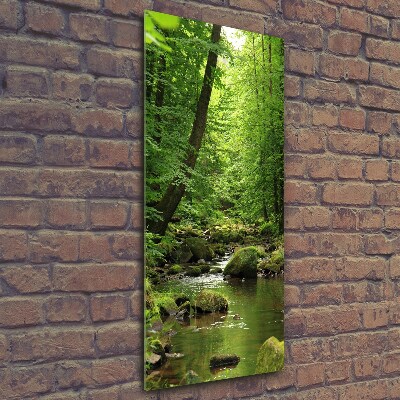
(70, 211)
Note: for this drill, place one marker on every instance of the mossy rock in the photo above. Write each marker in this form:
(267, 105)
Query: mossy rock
(216, 270)
(219, 249)
(166, 305)
(243, 263)
(182, 254)
(193, 272)
(181, 298)
(200, 249)
(270, 357)
(208, 301)
(223, 360)
(204, 268)
(175, 269)
(274, 263)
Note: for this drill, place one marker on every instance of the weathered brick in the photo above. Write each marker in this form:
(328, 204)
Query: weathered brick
(120, 338)
(109, 153)
(337, 371)
(379, 122)
(295, 166)
(127, 7)
(115, 63)
(349, 168)
(296, 113)
(93, 5)
(27, 278)
(384, 50)
(301, 61)
(51, 344)
(391, 363)
(362, 292)
(353, 268)
(41, 18)
(394, 270)
(260, 6)
(390, 8)
(13, 245)
(354, 20)
(18, 312)
(379, 26)
(63, 150)
(88, 27)
(108, 308)
(26, 82)
(10, 14)
(379, 244)
(375, 316)
(292, 86)
(395, 29)
(392, 218)
(304, 140)
(344, 218)
(376, 170)
(351, 3)
(69, 86)
(137, 217)
(108, 214)
(348, 194)
(310, 350)
(330, 92)
(21, 213)
(65, 309)
(322, 295)
(385, 75)
(310, 270)
(352, 118)
(387, 195)
(310, 374)
(309, 11)
(126, 34)
(137, 152)
(17, 148)
(367, 366)
(391, 147)
(322, 167)
(327, 115)
(339, 244)
(370, 219)
(66, 213)
(344, 43)
(136, 304)
(95, 278)
(117, 93)
(347, 143)
(134, 122)
(300, 193)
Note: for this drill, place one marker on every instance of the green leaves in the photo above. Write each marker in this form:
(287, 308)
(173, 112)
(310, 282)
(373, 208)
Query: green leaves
(154, 20)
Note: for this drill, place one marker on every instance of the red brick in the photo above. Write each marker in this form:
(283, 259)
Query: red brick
(17, 148)
(93, 5)
(322, 168)
(325, 115)
(260, 6)
(108, 214)
(380, 245)
(301, 61)
(389, 8)
(116, 93)
(13, 245)
(385, 75)
(304, 140)
(351, 3)
(126, 34)
(137, 216)
(51, 344)
(29, 82)
(311, 374)
(66, 309)
(376, 170)
(394, 271)
(11, 15)
(108, 308)
(296, 113)
(115, 63)
(99, 122)
(119, 338)
(395, 175)
(295, 166)
(311, 350)
(292, 86)
(90, 28)
(66, 213)
(344, 43)
(335, 67)
(362, 292)
(370, 219)
(348, 194)
(392, 219)
(304, 35)
(292, 296)
(95, 278)
(379, 122)
(383, 50)
(338, 371)
(361, 343)
(192, 11)
(20, 213)
(375, 316)
(107, 153)
(47, 246)
(134, 122)
(300, 193)
(309, 11)
(391, 147)
(368, 366)
(330, 92)
(18, 312)
(352, 118)
(344, 218)
(354, 20)
(63, 150)
(348, 143)
(27, 279)
(136, 304)
(322, 295)
(352, 268)
(395, 29)
(310, 270)
(127, 7)
(294, 324)
(69, 86)
(387, 195)
(300, 245)
(339, 244)
(349, 168)
(40, 18)
(137, 155)
(4, 349)
(38, 52)
(379, 26)
(391, 363)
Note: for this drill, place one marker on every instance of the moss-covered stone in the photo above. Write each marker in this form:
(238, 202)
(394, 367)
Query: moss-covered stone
(166, 305)
(175, 269)
(193, 271)
(200, 249)
(270, 356)
(222, 360)
(274, 263)
(216, 270)
(208, 301)
(204, 268)
(243, 263)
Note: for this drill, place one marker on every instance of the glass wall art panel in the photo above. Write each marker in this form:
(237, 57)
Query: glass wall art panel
(214, 256)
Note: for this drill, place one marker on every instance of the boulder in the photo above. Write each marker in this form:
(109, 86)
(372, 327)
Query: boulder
(193, 272)
(208, 301)
(270, 356)
(223, 360)
(182, 254)
(243, 263)
(200, 249)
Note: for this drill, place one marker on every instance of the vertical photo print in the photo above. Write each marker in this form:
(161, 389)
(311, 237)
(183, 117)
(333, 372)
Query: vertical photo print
(214, 255)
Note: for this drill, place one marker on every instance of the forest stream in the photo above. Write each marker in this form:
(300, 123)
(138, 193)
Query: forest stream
(252, 318)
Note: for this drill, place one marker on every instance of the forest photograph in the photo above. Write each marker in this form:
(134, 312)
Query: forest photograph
(214, 255)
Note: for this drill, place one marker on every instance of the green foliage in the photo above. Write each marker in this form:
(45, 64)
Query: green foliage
(154, 20)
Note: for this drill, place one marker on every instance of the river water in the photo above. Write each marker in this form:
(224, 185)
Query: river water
(258, 303)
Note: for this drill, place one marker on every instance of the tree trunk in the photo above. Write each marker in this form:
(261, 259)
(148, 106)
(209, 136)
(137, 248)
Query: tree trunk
(175, 191)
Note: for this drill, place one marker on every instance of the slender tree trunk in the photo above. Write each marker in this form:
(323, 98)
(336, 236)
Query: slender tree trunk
(175, 191)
